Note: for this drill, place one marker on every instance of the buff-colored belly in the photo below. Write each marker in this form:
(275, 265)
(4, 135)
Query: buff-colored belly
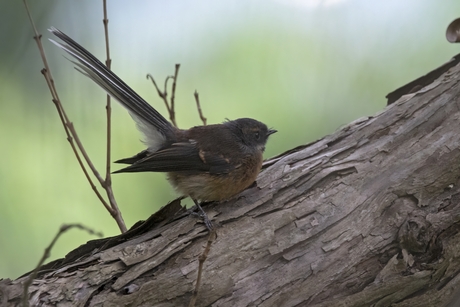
(207, 187)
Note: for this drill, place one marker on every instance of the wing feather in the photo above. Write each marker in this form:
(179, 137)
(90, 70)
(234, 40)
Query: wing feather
(181, 157)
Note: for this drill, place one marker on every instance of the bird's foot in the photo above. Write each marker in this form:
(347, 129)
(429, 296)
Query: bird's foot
(201, 214)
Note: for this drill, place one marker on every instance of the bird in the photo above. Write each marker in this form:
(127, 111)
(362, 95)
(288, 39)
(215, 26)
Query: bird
(206, 163)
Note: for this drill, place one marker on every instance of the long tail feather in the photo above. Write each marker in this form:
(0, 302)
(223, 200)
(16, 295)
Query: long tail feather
(151, 123)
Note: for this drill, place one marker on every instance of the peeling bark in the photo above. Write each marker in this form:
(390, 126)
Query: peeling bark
(367, 216)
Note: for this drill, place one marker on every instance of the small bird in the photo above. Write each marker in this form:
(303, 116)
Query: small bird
(206, 163)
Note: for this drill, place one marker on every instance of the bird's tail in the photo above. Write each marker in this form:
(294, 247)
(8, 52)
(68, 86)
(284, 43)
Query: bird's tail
(151, 123)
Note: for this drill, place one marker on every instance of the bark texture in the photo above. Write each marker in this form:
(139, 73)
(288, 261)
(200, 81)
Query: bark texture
(368, 216)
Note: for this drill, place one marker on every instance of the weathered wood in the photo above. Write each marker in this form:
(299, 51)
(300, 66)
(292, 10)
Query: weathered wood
(368, 216)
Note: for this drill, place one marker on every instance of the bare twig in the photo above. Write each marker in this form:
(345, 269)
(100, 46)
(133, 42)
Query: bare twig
(50, 82)
(46, 254)
(115, 212)
(113, 208)
(72, 144)
(172, 114)
(160, 93)
(201, 260)
(170, 105)
(71, 132)
(164, 94)
(108, 107)
(198, 106)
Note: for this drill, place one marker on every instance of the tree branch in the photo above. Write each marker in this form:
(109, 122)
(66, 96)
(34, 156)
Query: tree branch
(365, 216)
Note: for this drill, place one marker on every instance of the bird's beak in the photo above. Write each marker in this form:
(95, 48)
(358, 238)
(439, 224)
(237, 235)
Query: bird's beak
(271, 131)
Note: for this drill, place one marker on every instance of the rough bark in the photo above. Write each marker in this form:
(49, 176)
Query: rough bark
(368, 216)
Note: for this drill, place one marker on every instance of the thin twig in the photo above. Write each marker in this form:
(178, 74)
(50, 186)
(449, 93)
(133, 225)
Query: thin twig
(90, 164)
(201, 260)
(170, 105)
(47, 72)
(62, 115)
(165, 92)
(113, 209)
(198, 106)
(163, 95)
(69, 128)
(160, 93)
(115, 212)
(172, 114)
(46, 254)
(108, 107)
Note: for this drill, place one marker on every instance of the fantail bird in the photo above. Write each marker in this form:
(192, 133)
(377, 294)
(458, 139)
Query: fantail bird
(207, 163)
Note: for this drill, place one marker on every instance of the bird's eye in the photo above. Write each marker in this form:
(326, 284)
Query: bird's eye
(257, 135)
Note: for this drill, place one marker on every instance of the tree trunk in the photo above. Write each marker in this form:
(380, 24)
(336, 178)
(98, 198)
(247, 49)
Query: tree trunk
(367, 216)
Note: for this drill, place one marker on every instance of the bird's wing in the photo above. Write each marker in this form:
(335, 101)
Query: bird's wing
(181, 157)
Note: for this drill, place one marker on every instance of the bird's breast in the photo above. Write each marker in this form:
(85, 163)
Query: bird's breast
(216, 187)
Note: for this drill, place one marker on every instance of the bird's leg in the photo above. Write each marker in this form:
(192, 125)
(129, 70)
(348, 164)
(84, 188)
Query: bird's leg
(204, 216)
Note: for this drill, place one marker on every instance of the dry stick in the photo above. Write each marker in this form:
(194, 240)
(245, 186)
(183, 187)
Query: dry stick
(116, 214)
(201, 260)
(108, 63)
(172, 114)
(68, 126)
(71, 142)
(46, 254)
(57, 103)
(198, 106)
(164, 94)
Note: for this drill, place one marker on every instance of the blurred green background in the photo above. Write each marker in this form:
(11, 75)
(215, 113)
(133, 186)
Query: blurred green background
(303, 67)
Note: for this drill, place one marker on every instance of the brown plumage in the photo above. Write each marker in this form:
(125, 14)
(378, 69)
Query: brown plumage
(207, 163)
